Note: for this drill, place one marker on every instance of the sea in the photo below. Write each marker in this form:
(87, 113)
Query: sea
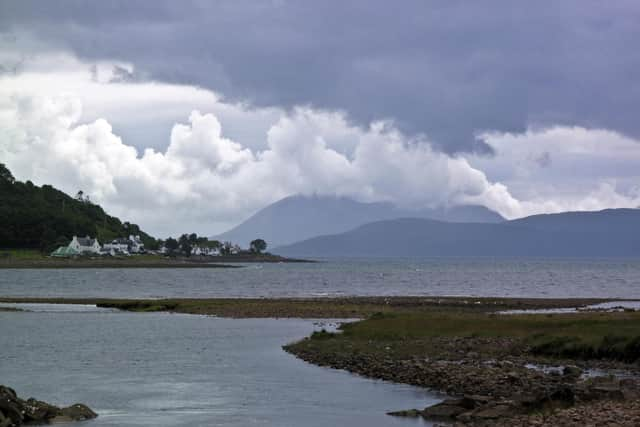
(162, 369)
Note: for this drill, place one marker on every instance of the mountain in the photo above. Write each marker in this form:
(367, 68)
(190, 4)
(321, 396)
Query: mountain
(297, 218)
(604, 221)
(44, 217)
(612, 232)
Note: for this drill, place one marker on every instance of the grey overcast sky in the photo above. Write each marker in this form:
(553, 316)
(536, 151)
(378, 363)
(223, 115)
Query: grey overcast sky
(461, 78)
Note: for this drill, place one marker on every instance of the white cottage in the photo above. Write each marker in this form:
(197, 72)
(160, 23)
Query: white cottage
(117, 246)
(135, 244)
(85, 245)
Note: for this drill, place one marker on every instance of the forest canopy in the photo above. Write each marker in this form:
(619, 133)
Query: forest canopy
(43, 217)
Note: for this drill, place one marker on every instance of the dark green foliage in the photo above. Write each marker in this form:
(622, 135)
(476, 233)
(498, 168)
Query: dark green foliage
(171, 244)
(186, 243)
(44, 217)
(257, 246)
(610, 347)
(322, 335)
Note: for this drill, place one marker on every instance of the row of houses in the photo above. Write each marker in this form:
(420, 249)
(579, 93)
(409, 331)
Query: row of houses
(202, 250)
(90, 246)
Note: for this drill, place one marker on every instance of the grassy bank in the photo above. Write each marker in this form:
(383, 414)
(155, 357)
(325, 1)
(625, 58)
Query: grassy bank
(348, 307)
(485, 358)
(26, 258)
(585, 336)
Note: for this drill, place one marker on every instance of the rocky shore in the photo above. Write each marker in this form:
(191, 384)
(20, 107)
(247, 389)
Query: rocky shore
(15, 411)
(491, 380)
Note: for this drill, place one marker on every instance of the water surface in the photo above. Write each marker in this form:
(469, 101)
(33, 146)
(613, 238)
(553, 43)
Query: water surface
(162, 369)
(504, 277)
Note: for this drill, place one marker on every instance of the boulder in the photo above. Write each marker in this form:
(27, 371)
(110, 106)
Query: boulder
(409, 413)
(78, 412)
(16, 412)
(571, 371)
(447, 409)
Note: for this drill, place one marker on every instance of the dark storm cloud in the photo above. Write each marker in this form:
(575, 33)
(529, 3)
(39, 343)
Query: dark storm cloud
(448, 69)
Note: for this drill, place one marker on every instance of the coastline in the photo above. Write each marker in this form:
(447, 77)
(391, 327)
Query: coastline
(319, 307)
(142, 262)
(498, 369)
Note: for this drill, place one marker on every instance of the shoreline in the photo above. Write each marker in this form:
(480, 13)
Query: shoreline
(143, 262)
(497, 369)
(320, 307)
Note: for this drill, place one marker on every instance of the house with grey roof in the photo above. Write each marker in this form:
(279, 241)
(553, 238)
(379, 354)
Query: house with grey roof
(85, 245)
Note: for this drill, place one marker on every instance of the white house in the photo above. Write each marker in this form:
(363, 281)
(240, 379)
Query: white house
(117, 246)
(135, 244)
(85, 245)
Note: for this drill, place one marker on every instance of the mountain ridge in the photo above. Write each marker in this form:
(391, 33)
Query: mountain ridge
(523, 237)
(298, 217)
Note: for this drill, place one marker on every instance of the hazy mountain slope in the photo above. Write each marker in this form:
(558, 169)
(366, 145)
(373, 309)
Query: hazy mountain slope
(300, 217)
(420, 237)
(604, 221)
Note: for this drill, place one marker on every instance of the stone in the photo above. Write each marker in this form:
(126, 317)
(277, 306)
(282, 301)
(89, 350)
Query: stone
(409, 413)
(449, 408)
(493, 412)
(79, 412)
(38, 411)
(571, 371)
(16, 412)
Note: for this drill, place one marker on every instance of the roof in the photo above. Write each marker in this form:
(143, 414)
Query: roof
(64, 251)
(86, 241)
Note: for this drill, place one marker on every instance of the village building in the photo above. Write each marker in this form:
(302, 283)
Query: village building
(85, 245)
(135, 245)
(64, 252)
(116, 247)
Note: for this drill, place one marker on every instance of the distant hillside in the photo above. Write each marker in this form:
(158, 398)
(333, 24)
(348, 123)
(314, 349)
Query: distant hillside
(605, 221)
(297, 218)
(596, 234)
(43, 217)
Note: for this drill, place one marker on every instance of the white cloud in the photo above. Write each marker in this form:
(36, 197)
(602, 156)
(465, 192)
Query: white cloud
(61, 121)
(564, 168)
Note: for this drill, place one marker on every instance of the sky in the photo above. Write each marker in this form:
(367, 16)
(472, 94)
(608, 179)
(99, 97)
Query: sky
(190, 116)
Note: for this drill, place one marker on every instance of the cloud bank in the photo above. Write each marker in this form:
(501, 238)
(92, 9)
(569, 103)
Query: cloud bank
(220, 161)
(443, 68)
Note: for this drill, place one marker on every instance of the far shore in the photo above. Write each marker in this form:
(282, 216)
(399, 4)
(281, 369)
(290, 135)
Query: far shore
(143, 261)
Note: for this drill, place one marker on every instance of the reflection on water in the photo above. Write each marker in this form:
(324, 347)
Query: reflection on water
(161, 369)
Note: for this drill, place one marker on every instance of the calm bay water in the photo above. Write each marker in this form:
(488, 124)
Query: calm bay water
(619, 278)
(161, 369)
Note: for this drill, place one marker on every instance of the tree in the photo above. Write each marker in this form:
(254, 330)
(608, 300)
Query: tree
(257, 246)
(5, 174)
(185, 244)
(226, 247)
(171, 244)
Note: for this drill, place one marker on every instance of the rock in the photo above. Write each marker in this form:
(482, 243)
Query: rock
(494, 412)
(79, 412)
(449, 408)
(38, 411)
(11, 408)
(409, 413)
(571, 371)
(15, 411)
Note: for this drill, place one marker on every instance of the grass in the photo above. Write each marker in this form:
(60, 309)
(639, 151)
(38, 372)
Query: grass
(21, 254)
(405, 326)
(581, 335)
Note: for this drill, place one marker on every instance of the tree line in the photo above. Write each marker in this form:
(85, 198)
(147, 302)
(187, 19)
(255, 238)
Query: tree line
(44, 218)
(186, 243)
